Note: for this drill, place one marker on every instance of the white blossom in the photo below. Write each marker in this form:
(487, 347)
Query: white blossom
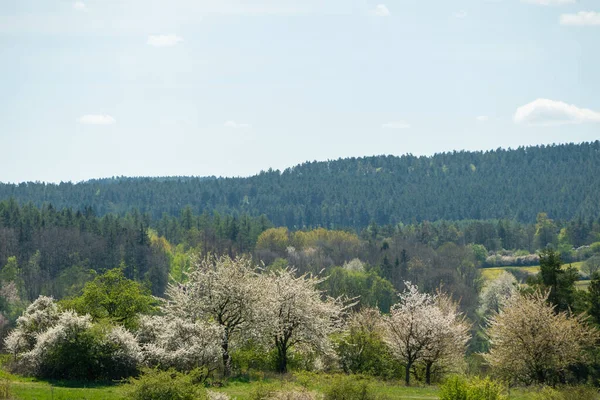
(41, 315)
(172, 342)
(300, 314)
(424, 328)
(223, 290)
(497, 292)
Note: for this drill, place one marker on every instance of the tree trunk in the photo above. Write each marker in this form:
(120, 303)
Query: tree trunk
(407, 373)
(282, 359)
(428, 366)
(226, 357)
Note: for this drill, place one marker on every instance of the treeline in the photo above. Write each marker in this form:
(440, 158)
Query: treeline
(515, 185)
(57, 250)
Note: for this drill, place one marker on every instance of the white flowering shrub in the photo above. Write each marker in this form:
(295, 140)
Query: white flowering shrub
(118, 352)
(41, 315)
(64, 350)
(64, 345)
(171, 342)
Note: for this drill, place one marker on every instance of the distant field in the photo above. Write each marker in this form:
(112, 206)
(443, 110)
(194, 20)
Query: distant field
(493, 273)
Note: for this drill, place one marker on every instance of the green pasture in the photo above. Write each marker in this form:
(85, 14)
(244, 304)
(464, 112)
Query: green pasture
(492, 273)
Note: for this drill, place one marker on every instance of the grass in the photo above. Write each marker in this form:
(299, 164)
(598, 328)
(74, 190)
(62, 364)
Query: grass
(25, 388)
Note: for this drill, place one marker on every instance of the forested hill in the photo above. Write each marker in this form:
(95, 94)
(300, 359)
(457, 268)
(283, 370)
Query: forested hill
(561, 180)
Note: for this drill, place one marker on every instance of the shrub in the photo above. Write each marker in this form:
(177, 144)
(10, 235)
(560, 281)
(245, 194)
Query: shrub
(485, 389)
(455, 388)
(165, 385)
(170, 342)
(74, 348)
(41, 315)
(459, 388)
(349, 388)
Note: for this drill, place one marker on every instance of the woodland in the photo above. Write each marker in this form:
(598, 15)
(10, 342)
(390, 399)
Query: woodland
(336, 280)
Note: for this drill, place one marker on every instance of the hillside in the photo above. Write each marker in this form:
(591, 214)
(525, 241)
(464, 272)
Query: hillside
(562, 180)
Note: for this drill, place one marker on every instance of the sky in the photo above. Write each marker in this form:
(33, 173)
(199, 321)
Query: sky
(100, 88)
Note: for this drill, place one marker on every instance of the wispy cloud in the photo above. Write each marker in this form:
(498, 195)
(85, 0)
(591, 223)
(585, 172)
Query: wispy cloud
(582, 18)
(97, 119)
(396, 125)
(460, 14)
(236, 125)
(381, 10)
(482, 118)
(549, 112)
(79, 5)
(550, 2)
(164, 40)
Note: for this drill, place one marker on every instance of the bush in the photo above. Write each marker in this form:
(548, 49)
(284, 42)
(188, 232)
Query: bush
(455, 388)
(459, 388)
(76, 349)
(170, 342)
(352, 387)
(165, 385)
(485, 389)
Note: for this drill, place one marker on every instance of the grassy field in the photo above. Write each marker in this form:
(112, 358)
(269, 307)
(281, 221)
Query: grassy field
(32, 389)
(493, 273)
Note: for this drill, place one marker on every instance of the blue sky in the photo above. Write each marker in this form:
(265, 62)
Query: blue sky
(98, 88)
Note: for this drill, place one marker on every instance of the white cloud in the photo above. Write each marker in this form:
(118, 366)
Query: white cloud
(582, 18)
(79, 5)
(482, 118)
(235, 125)
(460, 14)
(97, 119)
(381, 10)
(164, 40)
(550, 2)
(396, 125)
(549, 112)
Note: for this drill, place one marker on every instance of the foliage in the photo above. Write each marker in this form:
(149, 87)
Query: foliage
(370, 289)
(459, 388)
(560, 283)
(455, 388)
(531, 342)
(165, 385)
(114, 297)
(361, 348)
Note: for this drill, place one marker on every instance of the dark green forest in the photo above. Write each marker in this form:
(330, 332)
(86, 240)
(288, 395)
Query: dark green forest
(514, 184)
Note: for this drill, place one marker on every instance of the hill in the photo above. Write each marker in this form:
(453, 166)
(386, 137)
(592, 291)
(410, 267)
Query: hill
(562, 180)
